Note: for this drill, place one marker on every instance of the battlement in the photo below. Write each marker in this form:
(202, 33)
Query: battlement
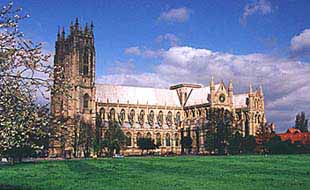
(76, 30)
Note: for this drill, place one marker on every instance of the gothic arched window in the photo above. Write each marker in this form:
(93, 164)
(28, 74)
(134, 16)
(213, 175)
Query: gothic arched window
(139, 136)
(178, 119)
(102, 113)
(131, 116)
(85, 63)
(128, 139)
(169, 118)
(121, 116)
(193, 113)
(160, 118)
(158, 139)
(186, 114)
(199, 112)
(112, 114)
(167, 139)
(149, 135)
(176, 138)
(86, 101)
(141, 117)
(150, 118)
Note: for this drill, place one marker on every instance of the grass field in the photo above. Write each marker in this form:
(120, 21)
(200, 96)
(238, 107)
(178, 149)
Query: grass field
(227, 172)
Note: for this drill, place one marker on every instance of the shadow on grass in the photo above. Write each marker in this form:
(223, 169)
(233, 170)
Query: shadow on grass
(87, 169)
(16, 187)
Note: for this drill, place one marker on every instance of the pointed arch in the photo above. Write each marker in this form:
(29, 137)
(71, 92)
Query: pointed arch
(176, 139)
(86, 100)
(158, 139)
(85, 66)
(112, 114)
(148, 135)
(102, 113)
(167, 139)
(128, 139)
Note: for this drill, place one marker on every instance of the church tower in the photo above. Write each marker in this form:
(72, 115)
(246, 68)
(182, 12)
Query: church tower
(73, 96)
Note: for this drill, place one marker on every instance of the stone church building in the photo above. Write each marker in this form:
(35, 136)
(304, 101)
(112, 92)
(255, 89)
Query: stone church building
(161, 114)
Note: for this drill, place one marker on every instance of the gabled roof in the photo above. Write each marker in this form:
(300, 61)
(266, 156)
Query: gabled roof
(200, 95)
(220, 88)
(134, 95)
(293, 130)
(156, 96)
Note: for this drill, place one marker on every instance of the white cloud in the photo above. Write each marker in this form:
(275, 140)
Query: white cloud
(286, 82)
(133, 50)
(121, 67)
(148, 53)
(262, 7)
(142, 80)
(300, 44)
(171, 38)
(175, 15)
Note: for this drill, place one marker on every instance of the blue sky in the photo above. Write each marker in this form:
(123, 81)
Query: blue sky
(157, 43)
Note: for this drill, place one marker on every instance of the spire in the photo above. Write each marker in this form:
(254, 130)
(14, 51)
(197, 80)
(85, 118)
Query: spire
(86, 28)
(212, 91)
(230, 85)
(91, 26)
(58, 34)
(231, 93)
(63, 33)
(71, 27)
(76, 21)
(76, 24)
(261, 90)
(250, 89)
(212, 82)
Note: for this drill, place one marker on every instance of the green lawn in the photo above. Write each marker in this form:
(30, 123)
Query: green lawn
(227, 172)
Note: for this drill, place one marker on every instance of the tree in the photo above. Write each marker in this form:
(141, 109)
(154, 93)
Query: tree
(85, 138)
(218, 130)
(210, 141)
(25, 75)
(197, 139)
(114, 138)
(301, 122)
(277, 146)
(97, 140)
(263, 135)
(186, 141)
(146, 144)
(249, 144)
(235, 143)
(182, 139)
(23, 125)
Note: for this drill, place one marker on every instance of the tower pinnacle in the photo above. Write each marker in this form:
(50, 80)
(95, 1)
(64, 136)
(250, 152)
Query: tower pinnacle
(230, 85)
(250, 88)
(212, 82)
(58, 34)
(91, 26)
(261, 90)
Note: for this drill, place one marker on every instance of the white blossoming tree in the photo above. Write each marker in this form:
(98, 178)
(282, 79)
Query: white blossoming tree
(25, 75)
